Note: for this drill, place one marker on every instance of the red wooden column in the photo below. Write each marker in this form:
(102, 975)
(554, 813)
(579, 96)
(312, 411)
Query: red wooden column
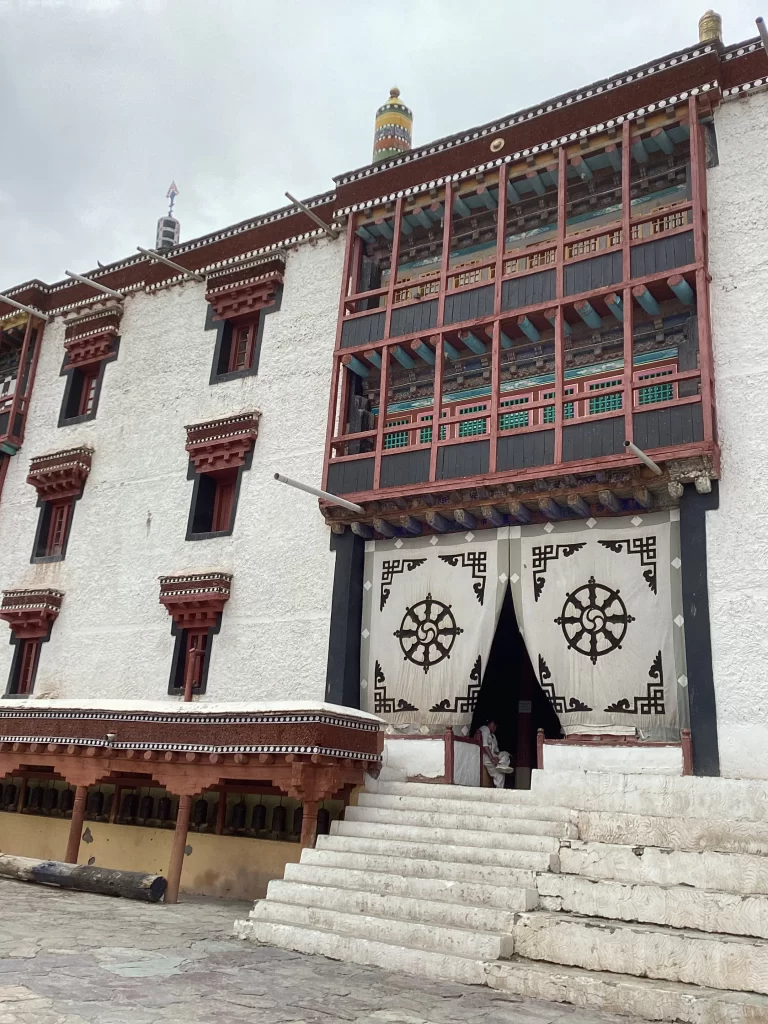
(562, 214)
(177, 851)
(309, 823)
(445, 256)
(25, 380)
(76, 825)
(699, 193)
(626, 274)
(337, 367)
(437, 404)
(383, 399)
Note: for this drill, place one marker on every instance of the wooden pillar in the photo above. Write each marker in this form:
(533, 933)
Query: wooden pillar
(177, 850)
(76, 825)
(309, 824)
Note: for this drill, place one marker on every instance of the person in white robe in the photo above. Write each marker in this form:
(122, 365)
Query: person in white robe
(493, 758)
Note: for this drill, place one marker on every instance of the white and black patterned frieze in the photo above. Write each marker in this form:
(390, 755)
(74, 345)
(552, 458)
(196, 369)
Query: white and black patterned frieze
(196, 748)
(188, 718)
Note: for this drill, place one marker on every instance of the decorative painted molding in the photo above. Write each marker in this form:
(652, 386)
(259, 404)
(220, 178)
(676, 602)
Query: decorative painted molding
(88, 335)
(60, 474)
(244, 298)
(30, 613)
(195, 601)
(222, 444)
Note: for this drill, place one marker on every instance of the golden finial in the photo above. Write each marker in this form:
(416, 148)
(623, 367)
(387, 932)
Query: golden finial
(710, 28)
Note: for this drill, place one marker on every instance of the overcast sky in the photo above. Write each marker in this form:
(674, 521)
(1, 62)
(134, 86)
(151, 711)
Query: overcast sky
(104, 102)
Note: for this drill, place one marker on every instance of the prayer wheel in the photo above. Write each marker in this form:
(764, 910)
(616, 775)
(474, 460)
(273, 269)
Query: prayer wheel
(298, 817)
(200, 812)
(164, 808)
(323, 822)
(50, 799)
(146, 807)
(9, 795)
(238, 816)
(95, 803)
(259, 817)
(279, 815)
(130, 806)
(35, 798)
(67, 801)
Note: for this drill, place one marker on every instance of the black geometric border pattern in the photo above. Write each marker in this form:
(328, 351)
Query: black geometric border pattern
(643, 546)
(464, 705)
(545, 553)
(382, 704)
(558, 703)
(653, 701)
(390, 569)
(477, 562)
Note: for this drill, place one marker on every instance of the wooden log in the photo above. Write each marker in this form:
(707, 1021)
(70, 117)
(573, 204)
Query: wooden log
(131, 885)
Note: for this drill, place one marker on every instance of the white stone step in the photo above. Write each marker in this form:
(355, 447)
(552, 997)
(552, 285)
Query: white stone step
(459, 837)
(387, 774)
(678, 833)
(679, 906)
(722, 872)
(680, 797)
(444, 888)
(505, 868)
(349, 948)
(495, 824)
(644, 950)
(467, 806)
(475, 794)
(646, 998)
(456, 941)
(397, 908)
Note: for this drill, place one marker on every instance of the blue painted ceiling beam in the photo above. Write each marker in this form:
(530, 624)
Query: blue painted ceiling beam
(473, 342)
(613, 302)
(588, 314)
(583, 169)
(552, 319)
(639, 152)
(405, 227)
(536, 183)
(488, 198)
(506, 341)
(353, 363)
(403, 358)
(682, 289)
(528, 329)
(374, 358)
(450, 352)
(424, 351)
(663, 141)
(460, 207)
(365, 234)
(385, 229)
(512, 194)
(422, 216)
(646, 300)
(613, 152)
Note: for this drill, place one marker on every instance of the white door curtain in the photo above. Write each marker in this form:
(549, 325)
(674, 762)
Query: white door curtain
(598, 603)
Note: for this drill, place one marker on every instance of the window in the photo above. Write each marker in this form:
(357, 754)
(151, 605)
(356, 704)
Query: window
(191, 650)
(239, 348)
(81, 396)
(213, 502)
(25, 667)
(53, 528)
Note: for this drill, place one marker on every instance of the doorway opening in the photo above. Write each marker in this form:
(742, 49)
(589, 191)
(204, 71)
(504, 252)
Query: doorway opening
(510, 694)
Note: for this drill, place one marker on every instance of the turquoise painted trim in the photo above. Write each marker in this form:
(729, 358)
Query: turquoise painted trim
(607, 366)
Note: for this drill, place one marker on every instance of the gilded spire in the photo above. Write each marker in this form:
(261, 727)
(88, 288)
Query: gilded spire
(394, 127)
(710, 28)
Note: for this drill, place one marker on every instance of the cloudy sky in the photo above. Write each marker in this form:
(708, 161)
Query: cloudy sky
(103, 102)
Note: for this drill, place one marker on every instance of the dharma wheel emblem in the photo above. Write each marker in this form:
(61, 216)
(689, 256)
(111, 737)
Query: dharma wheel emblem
(594, 620)
(427, 632)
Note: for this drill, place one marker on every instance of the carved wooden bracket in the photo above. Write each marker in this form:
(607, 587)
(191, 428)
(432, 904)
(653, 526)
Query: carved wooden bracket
(244, 289)
(60, 474)
(89, 338)
(222, 444)
(30, 613)
(194, 601)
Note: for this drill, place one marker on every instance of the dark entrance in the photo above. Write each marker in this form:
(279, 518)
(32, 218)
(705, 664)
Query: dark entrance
(511, 695)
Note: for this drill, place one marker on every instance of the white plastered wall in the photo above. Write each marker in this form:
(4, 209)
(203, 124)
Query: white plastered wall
(113, 637)
(737, 533)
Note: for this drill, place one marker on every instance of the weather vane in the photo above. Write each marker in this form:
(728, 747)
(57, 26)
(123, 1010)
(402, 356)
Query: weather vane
(171, 194)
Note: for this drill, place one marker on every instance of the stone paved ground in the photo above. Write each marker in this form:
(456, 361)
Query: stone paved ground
(73, 958)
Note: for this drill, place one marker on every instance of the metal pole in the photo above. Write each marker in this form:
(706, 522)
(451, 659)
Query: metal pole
(20, 305)
(325, 495)
(95, 284)
(169, 263)
(763, 32)
(331, 232)
(645, 459)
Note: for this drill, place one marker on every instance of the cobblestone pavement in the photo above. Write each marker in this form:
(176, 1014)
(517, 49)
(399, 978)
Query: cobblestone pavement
(73, 958)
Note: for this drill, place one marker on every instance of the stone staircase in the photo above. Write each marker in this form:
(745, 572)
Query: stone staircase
(631, 894)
